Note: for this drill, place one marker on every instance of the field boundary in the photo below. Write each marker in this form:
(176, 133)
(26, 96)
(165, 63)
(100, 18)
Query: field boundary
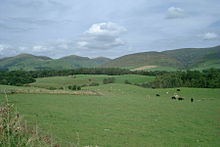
(44, 91)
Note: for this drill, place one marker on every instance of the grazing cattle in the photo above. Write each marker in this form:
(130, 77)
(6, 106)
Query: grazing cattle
(153, 87)
(192, 99)
(178, 90)
(173, 97)
(180, 98)
(157, 95)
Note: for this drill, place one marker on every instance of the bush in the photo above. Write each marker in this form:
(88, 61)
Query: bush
(78, 88)
(74, 87)
(61, 88)
(94, 84)
(108, 80)
(52, 88)
(127, 82)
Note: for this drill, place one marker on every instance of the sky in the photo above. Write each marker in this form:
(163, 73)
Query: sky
(94, 28)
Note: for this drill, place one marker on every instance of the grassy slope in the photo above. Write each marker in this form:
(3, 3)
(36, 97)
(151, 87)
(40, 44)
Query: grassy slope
(30, 62)
(143, 59)
(87, 79)
(196, 57)
(190, 58)
(24, 61)
(193, 58)
(101, 60)
(77, 61)
(209, 61)
(127, 116)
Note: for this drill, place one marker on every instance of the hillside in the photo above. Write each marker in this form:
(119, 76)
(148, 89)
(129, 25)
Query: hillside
(187, 58)
(77, 61)
(31, 62)
(101, 60)
(197, 57)
(146, 59)
(23, 61)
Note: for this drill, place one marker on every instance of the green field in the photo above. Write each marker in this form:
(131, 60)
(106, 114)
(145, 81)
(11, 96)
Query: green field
(125, 115)
(87, 79)
(163, 69)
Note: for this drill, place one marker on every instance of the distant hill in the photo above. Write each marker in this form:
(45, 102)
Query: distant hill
(196, 57)
(146, 59)
(31, 62)
(188, 58)
(101, 60)
(23, 61)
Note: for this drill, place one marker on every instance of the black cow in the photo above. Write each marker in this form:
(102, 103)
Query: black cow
(173, 97)
(180, 98)
(157, 95)
(178, 90)
(192, 99)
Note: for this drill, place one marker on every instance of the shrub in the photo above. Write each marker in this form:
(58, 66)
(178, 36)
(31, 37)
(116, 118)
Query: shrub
(108, 80)
(127, 82)
(74, 87)
(78, 88)
(94, 84)
(61, 88)
(52, 88)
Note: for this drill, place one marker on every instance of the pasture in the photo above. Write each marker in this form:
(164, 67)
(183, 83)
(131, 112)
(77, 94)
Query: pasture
(87, 79)
(125, 115)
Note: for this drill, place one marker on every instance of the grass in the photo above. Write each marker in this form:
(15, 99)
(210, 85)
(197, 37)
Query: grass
(87, 79)
(126, 115)
(142, 59)
(163, 69)
(208, 64)
(15, 132)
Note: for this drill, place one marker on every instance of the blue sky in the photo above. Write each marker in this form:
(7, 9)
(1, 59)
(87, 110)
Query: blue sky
(112, 28)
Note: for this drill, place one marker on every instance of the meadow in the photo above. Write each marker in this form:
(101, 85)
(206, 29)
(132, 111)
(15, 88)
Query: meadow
(65, 81)
(124, 115)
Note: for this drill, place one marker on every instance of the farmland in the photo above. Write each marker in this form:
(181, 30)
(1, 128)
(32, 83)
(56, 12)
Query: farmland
(123, 115)
(87, 79)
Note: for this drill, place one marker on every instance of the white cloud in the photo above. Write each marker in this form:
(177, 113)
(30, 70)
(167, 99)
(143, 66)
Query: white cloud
(38, 48)
(102, 36)
(108, 28)
(209, 36)
(82, 43)
(2, 47)
(174, 13)
(22, 48)
(7, 50)
(56, 49)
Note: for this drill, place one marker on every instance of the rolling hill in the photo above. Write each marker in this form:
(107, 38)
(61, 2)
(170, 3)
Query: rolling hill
(23, 61)
(146, 59)
(187, 58)
(31, 62)
(197, 57)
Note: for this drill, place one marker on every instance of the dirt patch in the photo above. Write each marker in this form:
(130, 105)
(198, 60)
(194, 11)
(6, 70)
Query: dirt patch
(144, 67)
(45, 91)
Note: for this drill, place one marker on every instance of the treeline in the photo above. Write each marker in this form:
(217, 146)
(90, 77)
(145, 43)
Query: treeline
(205, 79)
(20, 77)
(97, 71)
(164, 79)
(16, 78)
